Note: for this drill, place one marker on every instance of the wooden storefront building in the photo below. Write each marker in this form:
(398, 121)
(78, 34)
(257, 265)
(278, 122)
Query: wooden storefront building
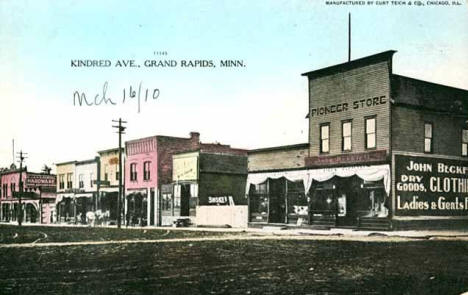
(384, 152)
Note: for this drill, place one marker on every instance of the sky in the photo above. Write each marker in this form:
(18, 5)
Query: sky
(261, 104)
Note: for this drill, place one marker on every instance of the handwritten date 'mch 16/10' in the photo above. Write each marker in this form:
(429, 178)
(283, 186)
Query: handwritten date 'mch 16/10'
(128, 94)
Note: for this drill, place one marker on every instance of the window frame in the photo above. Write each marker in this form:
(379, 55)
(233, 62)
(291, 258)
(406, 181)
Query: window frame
(133, 172)
(147, 170)
(321, 140)
(350, 121)
(366, 141)
(81, 181)
(464, 143)
(69, 180)
(431, 148)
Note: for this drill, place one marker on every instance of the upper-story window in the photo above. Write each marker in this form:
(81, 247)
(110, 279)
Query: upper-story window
(61, 181)
(91, 179)
(371, 140)
(465, 142)
(325, 138)
(80, 181)
(12, 188)
(146, 170)
(106, 174)
(428, 137)
(346, 135)
(69, 180)
(117, 175)
(133, 171)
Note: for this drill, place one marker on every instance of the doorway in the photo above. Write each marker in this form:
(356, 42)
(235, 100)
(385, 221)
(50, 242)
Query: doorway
(277, 205)
(346, 201)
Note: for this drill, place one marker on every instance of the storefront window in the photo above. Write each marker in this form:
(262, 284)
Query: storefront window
(258, 202)
(323, 201)
(373, 201)
(298, 207)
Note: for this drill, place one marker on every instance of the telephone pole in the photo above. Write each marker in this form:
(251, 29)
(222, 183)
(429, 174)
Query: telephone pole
(22, 157)
(120, 131)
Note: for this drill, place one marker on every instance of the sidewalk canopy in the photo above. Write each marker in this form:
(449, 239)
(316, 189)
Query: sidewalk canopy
(367, 173)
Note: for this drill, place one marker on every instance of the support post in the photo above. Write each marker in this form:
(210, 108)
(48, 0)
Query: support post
(156, 207)
(148, 206)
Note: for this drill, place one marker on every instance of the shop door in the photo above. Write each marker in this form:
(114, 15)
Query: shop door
(185, 200)
(277, 206)
(346, 203)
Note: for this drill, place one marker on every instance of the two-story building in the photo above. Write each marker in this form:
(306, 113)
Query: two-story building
(37, 197)
(65, 205)
(86, 189)
(384, 151)
(108, 185)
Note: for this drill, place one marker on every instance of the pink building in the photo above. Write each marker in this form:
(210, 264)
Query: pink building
(38, 198)
(149, 166)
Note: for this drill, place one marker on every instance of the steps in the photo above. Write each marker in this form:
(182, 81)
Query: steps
(372, 223)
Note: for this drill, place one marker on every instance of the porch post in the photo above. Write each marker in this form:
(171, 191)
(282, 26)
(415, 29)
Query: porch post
(125, 207)
(148, 206)
(156, 207)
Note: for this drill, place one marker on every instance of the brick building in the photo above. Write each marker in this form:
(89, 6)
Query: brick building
(148, 167)
(38, 197)
(384, 151)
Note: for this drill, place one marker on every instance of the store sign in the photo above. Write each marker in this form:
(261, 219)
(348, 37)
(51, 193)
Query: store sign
(185, 168)
(429, 186)
(373, 156)
(345, 106)
(114, 161)
(40, 180)
(222, 200)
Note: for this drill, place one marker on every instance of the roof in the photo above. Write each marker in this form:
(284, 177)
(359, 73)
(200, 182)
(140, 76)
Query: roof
(110, 150)
(375, 58)
(65, 163)
(280, 148)
(87, 161)
(412, 92)
(156, 137)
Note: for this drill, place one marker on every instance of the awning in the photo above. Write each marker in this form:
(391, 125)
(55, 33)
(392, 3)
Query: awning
(367, 173)
(84, 195)
(60, 197)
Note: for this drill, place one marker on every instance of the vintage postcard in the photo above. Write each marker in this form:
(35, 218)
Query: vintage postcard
(233, 147)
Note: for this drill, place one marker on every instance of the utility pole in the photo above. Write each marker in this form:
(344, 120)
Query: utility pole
(349, 37)
(22, 156)
(120, 131)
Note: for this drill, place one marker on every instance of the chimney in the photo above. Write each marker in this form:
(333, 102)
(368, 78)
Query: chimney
(195, 138)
